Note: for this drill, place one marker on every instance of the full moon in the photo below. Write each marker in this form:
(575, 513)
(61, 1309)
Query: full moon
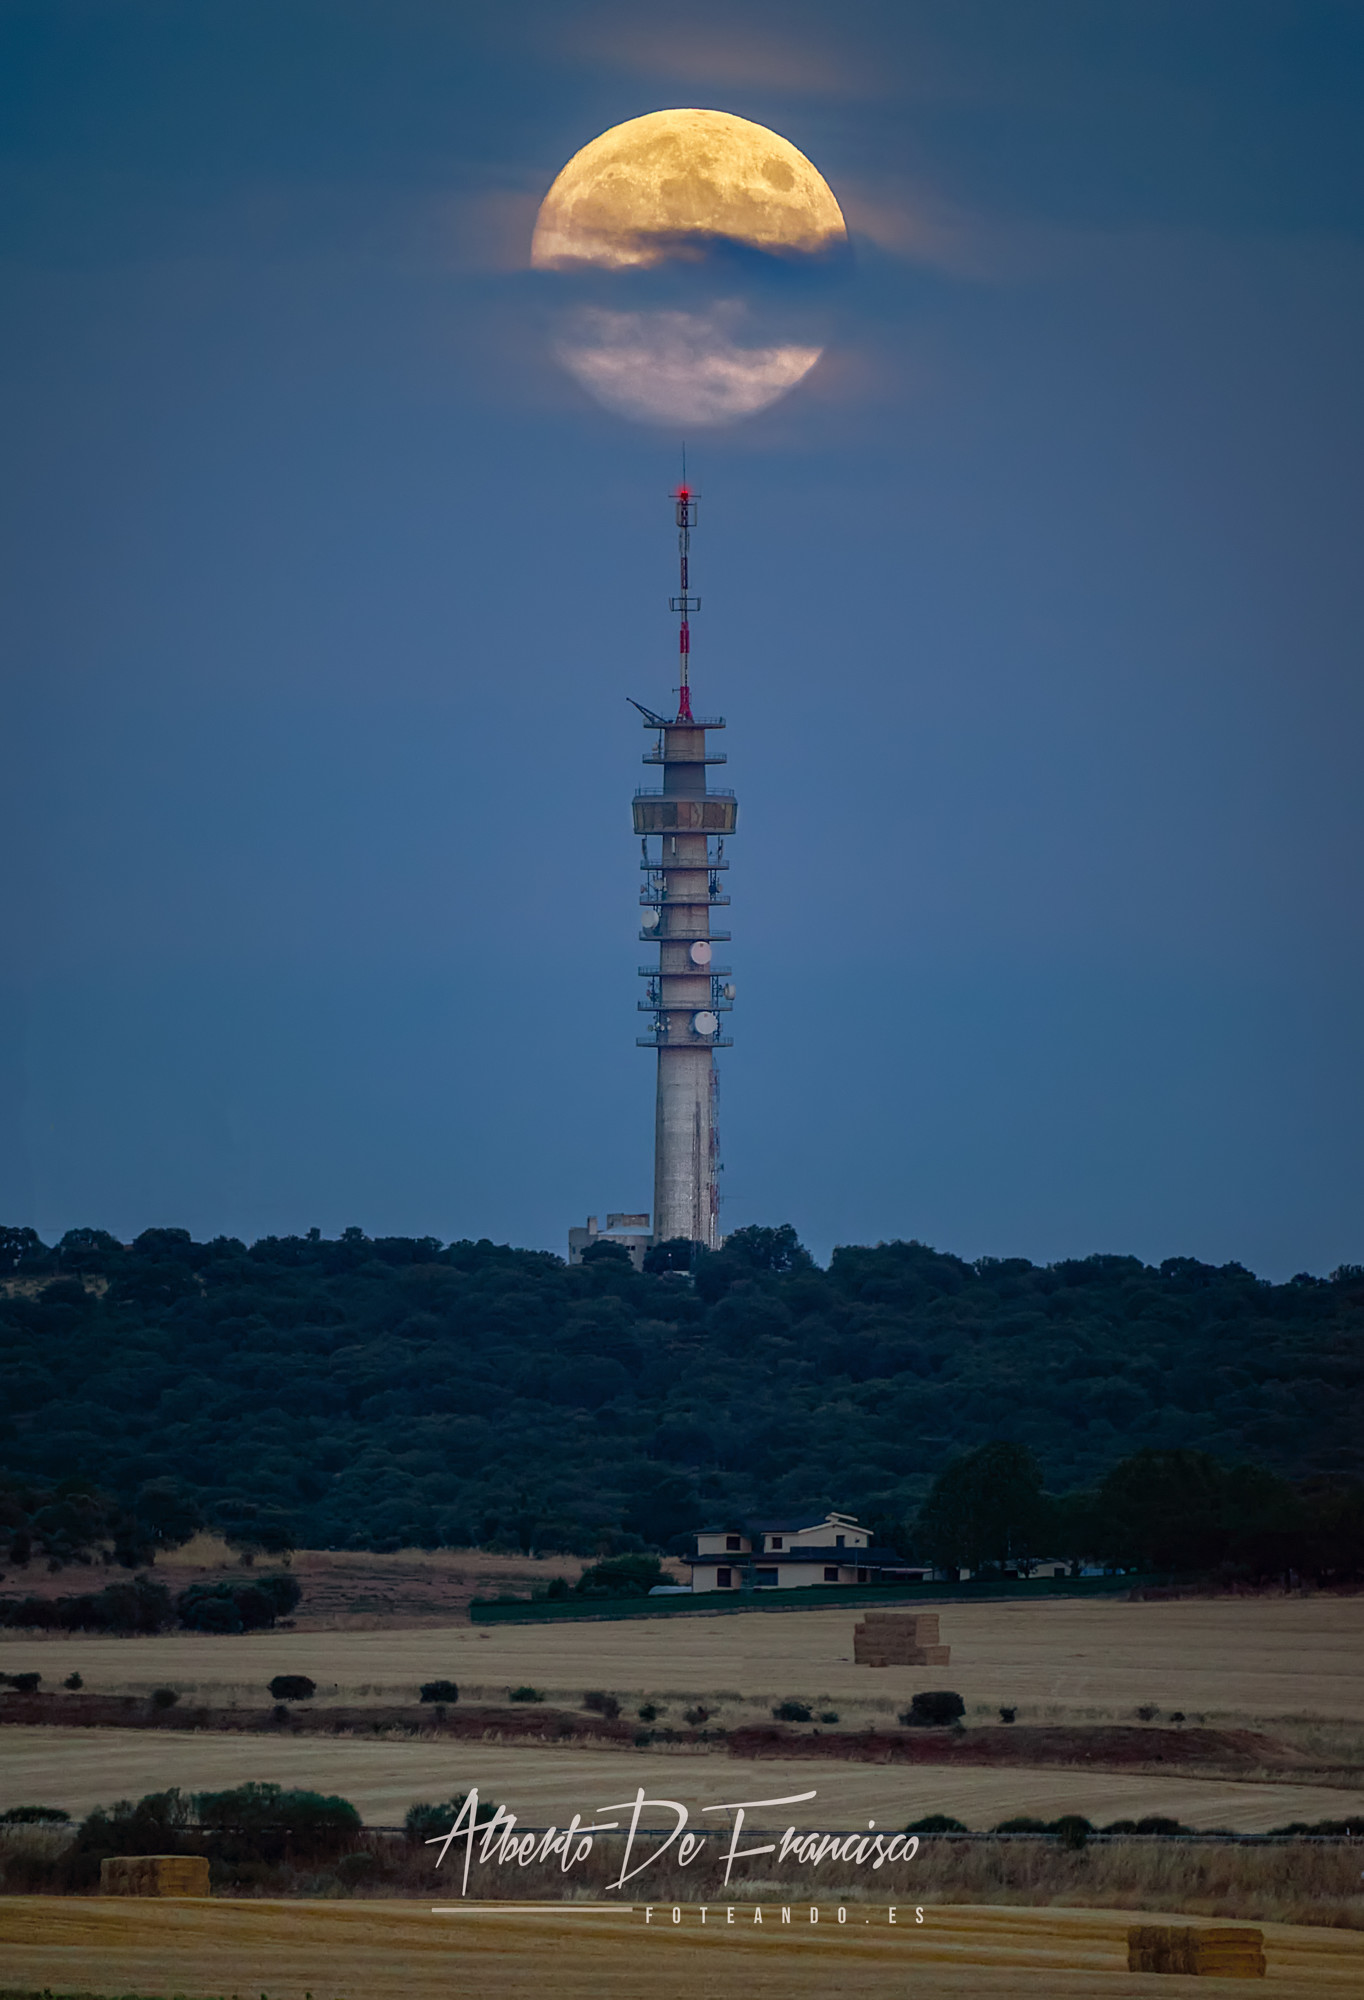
(664, 193)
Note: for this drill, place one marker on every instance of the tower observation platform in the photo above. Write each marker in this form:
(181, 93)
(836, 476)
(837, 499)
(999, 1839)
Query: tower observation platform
(683, 825)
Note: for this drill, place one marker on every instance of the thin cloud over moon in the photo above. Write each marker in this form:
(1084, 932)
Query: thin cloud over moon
(678, 367)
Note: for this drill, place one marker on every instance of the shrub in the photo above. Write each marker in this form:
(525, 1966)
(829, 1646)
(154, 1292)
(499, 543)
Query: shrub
(648, 1713)
(23, 1683)
(828, 1715)
(1072, 1830)
(621, 1576)
(292, 1687)
(602, 1704)
(157, 1824)
(433, 1822)
(1008, 1715)
(1147, 1712)
(524, 1694)
(164, 1697)
(933, 1710)
(73, 1681)
(937, 1823)
(1023, 1824)
(264, 1822)
(245, 1604)
(696, 1716)
(34, 1816)
(439, 1691)
(1177, 1715)
(791, 1711)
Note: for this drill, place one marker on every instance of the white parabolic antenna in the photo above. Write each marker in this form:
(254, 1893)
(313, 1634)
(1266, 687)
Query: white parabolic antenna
(705, 1023)
(700, 952)
(651, 920)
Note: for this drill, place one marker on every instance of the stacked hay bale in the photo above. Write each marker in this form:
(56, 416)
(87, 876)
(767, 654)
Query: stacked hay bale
(899, 1639)
(1221, 1953)
(153, 1875)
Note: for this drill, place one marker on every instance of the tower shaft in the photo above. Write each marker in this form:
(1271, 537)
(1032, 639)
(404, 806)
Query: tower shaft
(687, 994)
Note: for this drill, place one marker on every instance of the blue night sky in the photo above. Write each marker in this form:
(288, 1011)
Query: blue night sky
(1035, 614)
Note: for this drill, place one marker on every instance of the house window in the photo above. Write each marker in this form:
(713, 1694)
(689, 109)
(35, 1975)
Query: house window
(838, 1541)
(862, 1576)
(774, 1541)
(723, 1578)
(765, 1576)
(831, 1572)
(731, 1541)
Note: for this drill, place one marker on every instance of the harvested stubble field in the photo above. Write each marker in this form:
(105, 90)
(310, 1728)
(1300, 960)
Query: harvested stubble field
(394, 1951)
(1248, 1661)
(79, 1769)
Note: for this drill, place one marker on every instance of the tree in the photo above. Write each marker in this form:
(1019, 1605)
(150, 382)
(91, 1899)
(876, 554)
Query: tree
(1163, 1510)
(167, 1514)
(606, 1252)
(986, 1509)
(674, 1255)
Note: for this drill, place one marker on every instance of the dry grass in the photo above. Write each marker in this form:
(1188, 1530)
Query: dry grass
(399, 1951)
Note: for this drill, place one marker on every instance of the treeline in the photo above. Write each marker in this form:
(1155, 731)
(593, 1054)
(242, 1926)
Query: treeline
(381, 1392)
(1183, 1513)
(142, 1605)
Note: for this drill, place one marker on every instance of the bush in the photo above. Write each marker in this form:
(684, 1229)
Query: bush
(22, 1683)
(648, 1713)
(126, 1608)
(621, 1576)
(696, 1716)
(157, 1824)
(936, 1710)
(602, 1704)
(936, 1823)
(524, 1694)
(246, 1604)
(266, 1823)
(358, 1866)
(433, 1822)
(164, 1697)
(292, 1687)
(34, 1816)
(1008, 1715)
(1147, 1712)
(1023, 1824)
(439, 1691)
(72, 1682)
(791, 1711)
(828, 1715)
(1072, 1830)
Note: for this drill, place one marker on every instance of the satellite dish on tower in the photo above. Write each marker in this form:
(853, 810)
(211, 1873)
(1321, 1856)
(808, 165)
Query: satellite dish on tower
(650, 920)
(700, 952)
(705, 1023)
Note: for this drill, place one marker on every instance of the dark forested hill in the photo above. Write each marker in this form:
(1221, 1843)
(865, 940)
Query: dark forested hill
(376, 1393)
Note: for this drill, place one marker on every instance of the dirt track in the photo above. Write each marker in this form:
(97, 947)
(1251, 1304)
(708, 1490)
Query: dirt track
(388, 1951)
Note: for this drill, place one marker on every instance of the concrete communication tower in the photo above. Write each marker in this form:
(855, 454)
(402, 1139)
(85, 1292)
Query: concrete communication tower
(687, 993)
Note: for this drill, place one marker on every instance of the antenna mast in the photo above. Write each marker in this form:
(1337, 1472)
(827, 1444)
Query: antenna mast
(684, 603)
